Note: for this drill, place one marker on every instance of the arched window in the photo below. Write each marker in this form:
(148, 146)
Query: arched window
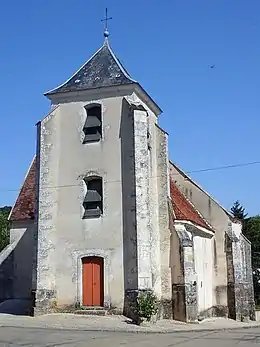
(93, 125)
(93, 201)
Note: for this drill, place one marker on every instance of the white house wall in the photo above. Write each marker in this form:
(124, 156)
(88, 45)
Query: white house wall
(203, 254)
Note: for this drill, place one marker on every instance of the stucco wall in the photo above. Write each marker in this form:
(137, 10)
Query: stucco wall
(63, 235)
(16, 262)
(6, 272)
(23, 255)
(203, 255)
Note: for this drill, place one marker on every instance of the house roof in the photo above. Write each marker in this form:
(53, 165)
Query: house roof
(24, 206)
(184, 209)
(103, 69)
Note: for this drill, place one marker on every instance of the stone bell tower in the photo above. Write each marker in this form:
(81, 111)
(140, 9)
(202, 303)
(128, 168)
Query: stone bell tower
(98, 217)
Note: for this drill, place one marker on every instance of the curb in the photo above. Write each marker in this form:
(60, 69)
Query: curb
(123, 330)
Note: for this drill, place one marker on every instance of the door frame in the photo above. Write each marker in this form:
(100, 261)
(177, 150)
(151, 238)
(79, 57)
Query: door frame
(79, 275)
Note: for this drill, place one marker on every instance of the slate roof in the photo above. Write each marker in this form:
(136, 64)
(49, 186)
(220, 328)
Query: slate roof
(24, 206)
(103, 69)
(184, 209)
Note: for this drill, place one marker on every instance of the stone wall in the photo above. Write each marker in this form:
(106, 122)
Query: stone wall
(164, 236)
(143, 226)
(241, 305)
(130, 257)
(184, 288)
(47, 133)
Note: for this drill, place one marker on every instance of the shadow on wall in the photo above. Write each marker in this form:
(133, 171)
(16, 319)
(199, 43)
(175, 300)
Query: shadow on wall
(126, 136)
(6, 273)
(177, 274)
(230, 279)
(213, 311)
(16, 268)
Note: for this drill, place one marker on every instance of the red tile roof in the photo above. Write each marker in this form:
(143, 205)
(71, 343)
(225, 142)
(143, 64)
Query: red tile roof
(25, 203)
(183, 208)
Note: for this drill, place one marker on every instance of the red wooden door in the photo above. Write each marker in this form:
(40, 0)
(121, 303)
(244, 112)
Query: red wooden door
(92, 281)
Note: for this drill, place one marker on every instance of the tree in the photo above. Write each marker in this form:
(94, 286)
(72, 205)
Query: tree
(238, 210)
(4, 226)
(251, 229)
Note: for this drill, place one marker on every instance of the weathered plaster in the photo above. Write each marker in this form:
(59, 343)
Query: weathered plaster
(48, 148)
(164, 237)
(62, 231)
(240, 278)
(185, 288)
(142, 195)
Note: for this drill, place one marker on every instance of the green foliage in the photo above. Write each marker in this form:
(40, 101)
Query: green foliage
(147, 305)
(238, 210)
(54, 304)
(251, 229)
(77, 305)
(4, 226)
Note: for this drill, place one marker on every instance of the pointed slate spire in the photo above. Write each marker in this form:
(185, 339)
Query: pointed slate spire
(103, 69)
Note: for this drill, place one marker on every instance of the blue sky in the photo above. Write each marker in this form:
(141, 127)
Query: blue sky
(212, 115)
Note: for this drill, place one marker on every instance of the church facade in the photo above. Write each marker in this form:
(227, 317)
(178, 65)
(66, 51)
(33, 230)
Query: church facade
(103, 214)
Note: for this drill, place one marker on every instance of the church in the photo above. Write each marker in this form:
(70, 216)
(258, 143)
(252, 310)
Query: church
(104, 214)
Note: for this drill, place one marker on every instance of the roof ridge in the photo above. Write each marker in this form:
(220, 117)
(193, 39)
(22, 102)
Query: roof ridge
(122, 68)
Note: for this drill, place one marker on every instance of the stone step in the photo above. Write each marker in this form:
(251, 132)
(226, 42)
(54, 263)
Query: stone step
(90, 310)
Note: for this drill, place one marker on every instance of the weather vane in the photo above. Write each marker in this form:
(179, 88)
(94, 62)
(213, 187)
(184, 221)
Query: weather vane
(106, 32)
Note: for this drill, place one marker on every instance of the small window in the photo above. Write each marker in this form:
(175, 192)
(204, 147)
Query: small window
(93, 125)
(93, 202)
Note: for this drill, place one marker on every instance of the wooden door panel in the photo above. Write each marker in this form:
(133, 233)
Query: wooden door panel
(87, 284)
(92, 281)
(96, 283)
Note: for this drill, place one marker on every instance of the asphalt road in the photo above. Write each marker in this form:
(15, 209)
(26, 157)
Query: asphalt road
(52, 338)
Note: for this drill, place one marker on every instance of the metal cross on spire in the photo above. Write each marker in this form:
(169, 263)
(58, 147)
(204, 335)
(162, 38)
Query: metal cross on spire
(106, 32)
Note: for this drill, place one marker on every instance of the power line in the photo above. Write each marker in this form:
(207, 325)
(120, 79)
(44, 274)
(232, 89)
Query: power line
(225, 167)
(216, 168)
